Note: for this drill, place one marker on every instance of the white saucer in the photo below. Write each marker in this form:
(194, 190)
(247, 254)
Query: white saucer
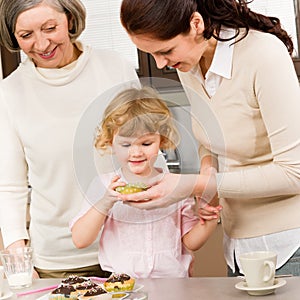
(260, 291)
(6, 295)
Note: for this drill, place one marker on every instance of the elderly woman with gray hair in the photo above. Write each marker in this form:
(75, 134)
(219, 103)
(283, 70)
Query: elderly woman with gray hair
(41, 104)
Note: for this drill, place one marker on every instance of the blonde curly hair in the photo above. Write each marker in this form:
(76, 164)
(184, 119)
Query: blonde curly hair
(134, 112)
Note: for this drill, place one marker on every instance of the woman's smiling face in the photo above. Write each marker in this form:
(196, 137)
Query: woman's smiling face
(182, 52)
(42, 33)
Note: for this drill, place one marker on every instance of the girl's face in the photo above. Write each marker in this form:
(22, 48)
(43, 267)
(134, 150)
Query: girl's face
(181, 52)
(42, 33)
(138, 155)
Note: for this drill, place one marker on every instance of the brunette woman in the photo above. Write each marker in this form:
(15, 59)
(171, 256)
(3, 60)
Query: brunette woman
(236, 68)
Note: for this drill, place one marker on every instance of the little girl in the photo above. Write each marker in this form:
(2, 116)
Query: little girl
(141, 243)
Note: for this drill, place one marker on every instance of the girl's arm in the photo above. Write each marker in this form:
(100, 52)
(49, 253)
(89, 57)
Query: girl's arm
(86, 229)
(199, 234)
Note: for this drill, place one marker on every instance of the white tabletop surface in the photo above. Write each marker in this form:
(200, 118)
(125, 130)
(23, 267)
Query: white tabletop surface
(210, 288)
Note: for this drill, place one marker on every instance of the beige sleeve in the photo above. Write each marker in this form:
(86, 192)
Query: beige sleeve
(278, 96)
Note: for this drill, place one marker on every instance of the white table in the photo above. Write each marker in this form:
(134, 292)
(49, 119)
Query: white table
(212, 288)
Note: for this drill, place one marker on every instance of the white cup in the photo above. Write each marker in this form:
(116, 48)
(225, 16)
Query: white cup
(18, 267)
(259, 268)
(1, 281)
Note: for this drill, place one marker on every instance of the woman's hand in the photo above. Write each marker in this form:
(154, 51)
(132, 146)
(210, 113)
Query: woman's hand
(21, 244)
(17, 244)
(169, 189)
(35, 274)
(165, 191)
(209, 208)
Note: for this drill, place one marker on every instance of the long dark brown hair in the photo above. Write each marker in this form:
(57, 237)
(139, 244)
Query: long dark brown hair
(165, 19)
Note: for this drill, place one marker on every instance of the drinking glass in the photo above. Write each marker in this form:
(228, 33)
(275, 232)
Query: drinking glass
(18, 266)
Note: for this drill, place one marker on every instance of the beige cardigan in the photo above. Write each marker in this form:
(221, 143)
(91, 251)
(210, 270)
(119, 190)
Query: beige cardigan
(252, 124)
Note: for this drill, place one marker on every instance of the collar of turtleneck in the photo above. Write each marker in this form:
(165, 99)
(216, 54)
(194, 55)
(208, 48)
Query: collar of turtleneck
(63, 75)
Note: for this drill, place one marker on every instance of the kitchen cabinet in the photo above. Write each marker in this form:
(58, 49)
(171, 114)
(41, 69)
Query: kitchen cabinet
(209, 260)
(9, 61)
(147, 68)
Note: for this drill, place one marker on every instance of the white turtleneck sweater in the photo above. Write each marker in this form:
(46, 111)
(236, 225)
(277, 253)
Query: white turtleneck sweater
(41, 113)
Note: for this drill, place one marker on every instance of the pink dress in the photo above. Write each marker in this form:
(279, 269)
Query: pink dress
(143, 243)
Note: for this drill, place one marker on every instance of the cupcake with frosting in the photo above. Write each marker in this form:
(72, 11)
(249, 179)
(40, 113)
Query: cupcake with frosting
(96, 293)
(74, 280)
(82, 288)
(119, 282)
(63, 292)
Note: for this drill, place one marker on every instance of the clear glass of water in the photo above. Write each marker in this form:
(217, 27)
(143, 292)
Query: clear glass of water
(18, 266)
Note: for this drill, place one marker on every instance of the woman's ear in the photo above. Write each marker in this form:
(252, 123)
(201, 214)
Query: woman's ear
(71, 23)
(197, 23)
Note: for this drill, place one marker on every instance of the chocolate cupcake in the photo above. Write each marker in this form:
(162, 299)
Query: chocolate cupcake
(82, 288)
(119, 282)
(74, 280)
(63, 292)
(95, 293)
